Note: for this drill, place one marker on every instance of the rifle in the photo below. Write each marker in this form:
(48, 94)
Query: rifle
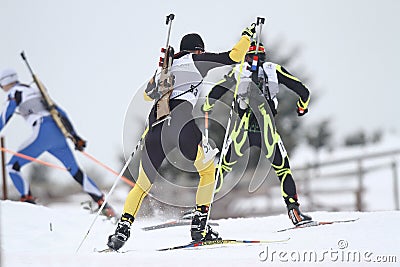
(51, 107)
(166, 80)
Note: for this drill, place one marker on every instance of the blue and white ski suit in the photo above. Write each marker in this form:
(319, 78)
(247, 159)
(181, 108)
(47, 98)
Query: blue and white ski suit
(46, 136)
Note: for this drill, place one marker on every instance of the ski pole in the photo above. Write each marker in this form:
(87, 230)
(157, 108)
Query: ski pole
(3, 168)
(51, 165)
(126, 180)
(205, 144)
(206, 126)
(45, 163)
(254, 67)
(225, 145)
(260, 22)
(109, 193)
(209, 152)
(254, 64)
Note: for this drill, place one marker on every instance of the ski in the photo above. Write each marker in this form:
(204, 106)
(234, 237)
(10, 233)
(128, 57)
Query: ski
(171, 224)
(222, 242)
(106, 250)
(202, 244)
(316, 223)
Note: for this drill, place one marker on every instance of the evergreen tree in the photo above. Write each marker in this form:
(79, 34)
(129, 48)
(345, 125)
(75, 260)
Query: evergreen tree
(320, 135)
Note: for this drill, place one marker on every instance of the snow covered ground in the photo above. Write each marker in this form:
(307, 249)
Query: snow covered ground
(34, 235)
(39, 236)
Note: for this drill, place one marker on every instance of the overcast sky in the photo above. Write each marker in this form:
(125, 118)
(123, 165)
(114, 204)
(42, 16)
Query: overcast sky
(93, 55)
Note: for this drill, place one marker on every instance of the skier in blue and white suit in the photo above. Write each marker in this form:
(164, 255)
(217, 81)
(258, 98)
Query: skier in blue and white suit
(46, 136)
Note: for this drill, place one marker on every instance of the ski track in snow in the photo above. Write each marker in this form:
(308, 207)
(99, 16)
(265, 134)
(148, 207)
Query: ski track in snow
(34, 235)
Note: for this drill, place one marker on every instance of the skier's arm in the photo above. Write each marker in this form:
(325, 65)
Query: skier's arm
(240, 49)
(294, 84)
(207, 61)
(219, 89)
(9, 109)
(80, 144)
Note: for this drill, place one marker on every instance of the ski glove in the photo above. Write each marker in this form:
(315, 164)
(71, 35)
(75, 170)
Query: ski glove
(250, 31)
(302, 107)
(80, 144)
(207, 107)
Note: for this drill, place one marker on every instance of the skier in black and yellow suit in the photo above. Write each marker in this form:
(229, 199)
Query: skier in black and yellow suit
(189, 67)
(254, 128)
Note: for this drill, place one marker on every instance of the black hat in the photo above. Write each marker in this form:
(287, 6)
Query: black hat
(192, 41)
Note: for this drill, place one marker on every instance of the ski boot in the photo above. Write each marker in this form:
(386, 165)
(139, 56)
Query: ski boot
(122, 233)
(107, 210)
(295, 214)
(28, 198)
(199, 231)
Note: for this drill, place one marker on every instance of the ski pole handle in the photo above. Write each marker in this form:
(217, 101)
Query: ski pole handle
(260, 22)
